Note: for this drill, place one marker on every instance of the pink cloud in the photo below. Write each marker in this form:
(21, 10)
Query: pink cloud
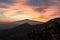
(51, 11)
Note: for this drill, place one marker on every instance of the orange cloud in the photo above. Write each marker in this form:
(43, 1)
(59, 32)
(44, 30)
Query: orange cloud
(30, 12)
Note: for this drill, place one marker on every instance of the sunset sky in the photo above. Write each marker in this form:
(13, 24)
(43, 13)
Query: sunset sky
(39, 10)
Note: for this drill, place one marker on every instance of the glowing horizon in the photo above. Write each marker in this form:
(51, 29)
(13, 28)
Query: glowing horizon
(39, 10)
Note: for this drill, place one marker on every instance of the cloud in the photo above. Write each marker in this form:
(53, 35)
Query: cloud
(40, 10)
(6, 1)
(2, 6)
(52, 12)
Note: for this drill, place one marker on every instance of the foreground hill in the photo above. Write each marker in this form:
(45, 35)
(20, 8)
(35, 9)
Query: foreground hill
(46, 31)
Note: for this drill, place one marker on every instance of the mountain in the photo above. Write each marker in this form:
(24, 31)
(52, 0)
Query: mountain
(16, 23)
(31, 22)
(46, 31)
(55, 23)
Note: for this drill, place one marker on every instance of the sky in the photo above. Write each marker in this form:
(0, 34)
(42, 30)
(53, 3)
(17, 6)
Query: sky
(39, 10)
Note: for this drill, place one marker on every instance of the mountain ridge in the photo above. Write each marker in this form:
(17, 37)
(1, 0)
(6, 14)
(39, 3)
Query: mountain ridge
(29, 21)
(46, 31)
(16, 23)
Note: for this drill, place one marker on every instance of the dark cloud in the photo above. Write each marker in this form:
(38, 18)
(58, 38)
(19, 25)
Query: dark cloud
(6, 1)
(34, 2)
(41, 2)
(3, 6)
(37, 2)
(41, 8)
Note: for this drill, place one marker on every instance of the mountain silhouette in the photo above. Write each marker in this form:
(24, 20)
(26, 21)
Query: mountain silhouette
(16, 23)
(46, 31)
(31, 22)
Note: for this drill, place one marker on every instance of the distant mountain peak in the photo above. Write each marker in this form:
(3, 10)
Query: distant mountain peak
(31, 22)
(27, 20)
(26, 24)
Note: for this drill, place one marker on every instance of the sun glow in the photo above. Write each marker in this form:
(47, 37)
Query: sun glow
(42, 12)
(26, 15)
